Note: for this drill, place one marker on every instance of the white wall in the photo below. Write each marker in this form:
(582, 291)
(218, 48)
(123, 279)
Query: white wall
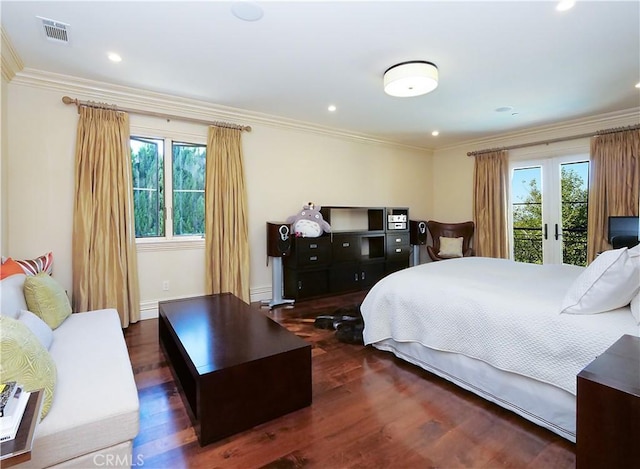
(453, 169)
(285, 167)
(3, 166)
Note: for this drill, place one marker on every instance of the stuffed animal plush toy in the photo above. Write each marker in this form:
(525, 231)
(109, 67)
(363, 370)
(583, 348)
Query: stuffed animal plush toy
(309, 222)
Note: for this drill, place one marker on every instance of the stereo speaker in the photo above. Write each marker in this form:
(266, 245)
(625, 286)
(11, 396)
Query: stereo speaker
(418, 232)
(278, 239)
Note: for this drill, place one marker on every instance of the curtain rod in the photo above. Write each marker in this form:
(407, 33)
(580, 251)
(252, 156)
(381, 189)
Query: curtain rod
(555, 140)
(78, 103)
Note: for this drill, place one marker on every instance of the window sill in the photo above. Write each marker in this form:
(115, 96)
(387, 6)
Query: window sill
(169, 244)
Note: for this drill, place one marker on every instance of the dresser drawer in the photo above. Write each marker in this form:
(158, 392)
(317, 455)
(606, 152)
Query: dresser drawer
(310, 252)
(398, 245)
(345, 248)
(397, 239)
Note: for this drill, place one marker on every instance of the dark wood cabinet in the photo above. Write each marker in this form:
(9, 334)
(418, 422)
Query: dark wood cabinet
(366, 243)
(608, 408)
(310, 253)
(306, 273)
(398, 246)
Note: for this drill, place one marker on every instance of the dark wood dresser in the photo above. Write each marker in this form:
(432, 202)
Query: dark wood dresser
(608, 408)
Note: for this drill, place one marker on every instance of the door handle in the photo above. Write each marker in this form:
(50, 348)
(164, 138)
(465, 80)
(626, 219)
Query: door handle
(546, 234)
(557, 233)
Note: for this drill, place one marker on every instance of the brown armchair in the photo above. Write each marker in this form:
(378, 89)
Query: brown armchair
(463, 230)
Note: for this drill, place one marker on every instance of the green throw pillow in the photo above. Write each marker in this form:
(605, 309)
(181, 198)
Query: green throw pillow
(23, 359)
(47, 299)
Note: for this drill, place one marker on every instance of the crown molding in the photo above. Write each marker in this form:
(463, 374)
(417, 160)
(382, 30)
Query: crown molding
(11, 61)
(565, 129)
(136, 98)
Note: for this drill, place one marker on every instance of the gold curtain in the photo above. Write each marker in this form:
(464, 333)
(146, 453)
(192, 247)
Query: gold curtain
(490, 179)
(105, 270)
(226, 224)
(613, 186)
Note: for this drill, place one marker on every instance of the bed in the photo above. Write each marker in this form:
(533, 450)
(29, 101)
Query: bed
(494, 327)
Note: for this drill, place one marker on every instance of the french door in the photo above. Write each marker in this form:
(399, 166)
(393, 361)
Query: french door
(548, 216)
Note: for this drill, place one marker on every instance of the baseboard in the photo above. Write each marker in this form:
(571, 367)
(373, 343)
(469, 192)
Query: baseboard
(149, 309)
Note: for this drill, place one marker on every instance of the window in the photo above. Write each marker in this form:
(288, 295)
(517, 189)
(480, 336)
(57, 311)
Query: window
(168, 193)
(549, 201)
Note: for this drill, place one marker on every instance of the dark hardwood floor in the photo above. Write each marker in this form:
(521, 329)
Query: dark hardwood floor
(370, 410)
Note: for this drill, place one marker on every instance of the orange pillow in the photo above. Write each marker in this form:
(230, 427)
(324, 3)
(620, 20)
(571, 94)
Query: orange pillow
(9, 268)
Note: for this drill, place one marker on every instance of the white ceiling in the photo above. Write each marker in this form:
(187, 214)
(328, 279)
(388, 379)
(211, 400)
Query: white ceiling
(301, 57)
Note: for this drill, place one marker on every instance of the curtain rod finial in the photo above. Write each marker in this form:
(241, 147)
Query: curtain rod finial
(68, 100)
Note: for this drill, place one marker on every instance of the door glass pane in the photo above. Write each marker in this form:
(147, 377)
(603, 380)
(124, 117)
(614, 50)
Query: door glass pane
(526, 197)
(575, 193)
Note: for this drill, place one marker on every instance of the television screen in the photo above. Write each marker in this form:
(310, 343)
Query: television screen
(623, 226)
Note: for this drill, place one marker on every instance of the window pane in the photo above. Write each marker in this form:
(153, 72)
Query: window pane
(188, 188)
(148, 203)
(575, 196)
(527, 214)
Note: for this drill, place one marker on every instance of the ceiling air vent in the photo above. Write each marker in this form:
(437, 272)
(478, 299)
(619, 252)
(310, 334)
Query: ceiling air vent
(55, 31)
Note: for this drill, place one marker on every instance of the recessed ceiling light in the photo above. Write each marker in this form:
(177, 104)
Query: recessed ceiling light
(504, 109)
(435, 133)
(246, 11)
(638, 85)
(332, 108)
(564, 5)
(114, 57)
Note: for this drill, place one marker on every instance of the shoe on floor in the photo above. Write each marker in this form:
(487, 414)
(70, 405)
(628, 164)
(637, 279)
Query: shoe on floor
(331, 322)
(324, 322)
(350, 332)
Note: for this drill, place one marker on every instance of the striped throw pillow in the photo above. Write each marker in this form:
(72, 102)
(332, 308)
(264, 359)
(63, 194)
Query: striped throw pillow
(43, 263)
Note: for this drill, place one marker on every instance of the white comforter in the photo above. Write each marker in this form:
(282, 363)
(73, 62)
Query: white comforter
(502, 312)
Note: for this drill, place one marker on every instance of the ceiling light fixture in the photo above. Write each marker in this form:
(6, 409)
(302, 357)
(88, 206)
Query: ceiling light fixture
(114, 57)
(564, 5)
(332, 108)
(435, 133)
(638, 85)
(409, 79)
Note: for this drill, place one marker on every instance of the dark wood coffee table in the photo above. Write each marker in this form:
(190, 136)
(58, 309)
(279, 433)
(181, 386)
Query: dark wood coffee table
(236, 367)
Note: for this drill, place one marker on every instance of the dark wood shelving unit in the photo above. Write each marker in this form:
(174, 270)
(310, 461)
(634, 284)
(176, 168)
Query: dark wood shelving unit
(365, 244)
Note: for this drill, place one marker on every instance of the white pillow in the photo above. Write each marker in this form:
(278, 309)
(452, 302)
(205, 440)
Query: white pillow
(450, 247)
(609, 282)
(12, 295)
(39, 328)
(635, 308)
(634, 254)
